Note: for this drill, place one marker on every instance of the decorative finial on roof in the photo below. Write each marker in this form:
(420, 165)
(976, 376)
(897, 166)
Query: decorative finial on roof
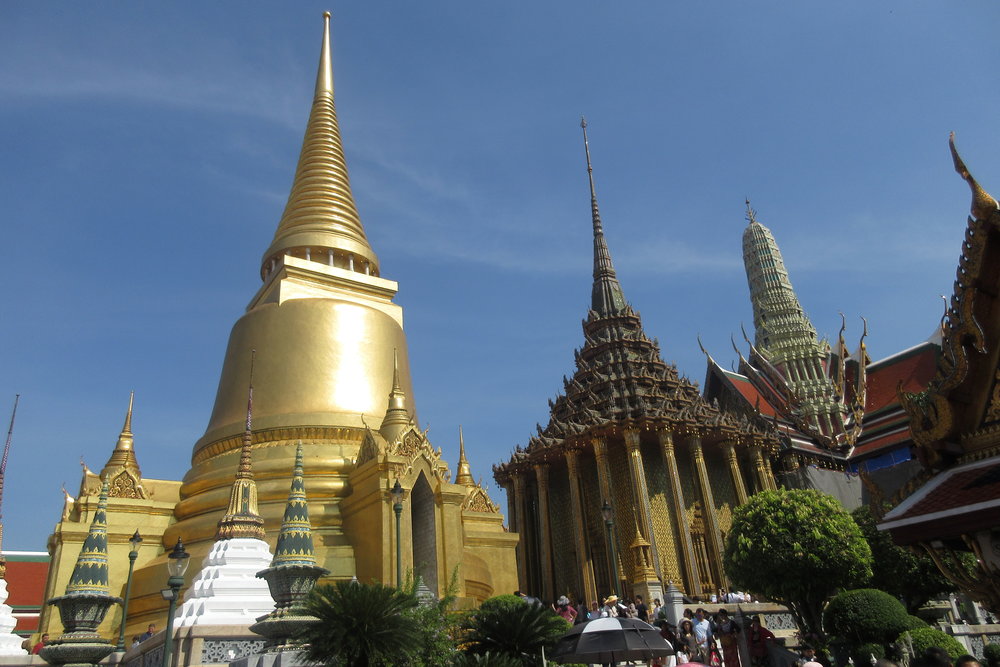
(397, 417)
(607, 297)
(123, 455)
(321, 216)
(983, 205)
(464, 472)
(242, 518)
(751, 213)
(295, 542)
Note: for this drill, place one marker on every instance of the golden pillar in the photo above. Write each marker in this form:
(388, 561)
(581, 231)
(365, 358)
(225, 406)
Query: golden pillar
(545, 535)
(692, 580)
(734, 469)
(646, 566)
(708, 504)
(763, 472)
(521, 512)
(584, 564)
(604, 483)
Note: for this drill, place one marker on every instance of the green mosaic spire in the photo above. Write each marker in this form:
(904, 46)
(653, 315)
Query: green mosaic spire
(90, 576)
(295, 542)
(784, 333)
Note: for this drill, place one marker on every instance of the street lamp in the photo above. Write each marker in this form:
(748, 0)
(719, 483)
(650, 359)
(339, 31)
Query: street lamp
(177, 565)
(135, 540)
(397, 507)
(609, 522)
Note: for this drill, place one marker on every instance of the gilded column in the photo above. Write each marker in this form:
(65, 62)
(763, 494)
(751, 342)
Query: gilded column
(584, 564)
(545, 533)
(692, 580)
(763, 472)
(604, 483)
(734, 469)
(640, 493)
(520, 506)
(708, 505)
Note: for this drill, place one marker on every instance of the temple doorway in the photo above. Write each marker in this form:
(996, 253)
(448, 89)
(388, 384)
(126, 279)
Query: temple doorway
(422, 519)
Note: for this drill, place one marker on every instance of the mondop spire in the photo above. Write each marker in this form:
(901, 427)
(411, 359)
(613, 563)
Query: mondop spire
(321, 221)
(607, 297)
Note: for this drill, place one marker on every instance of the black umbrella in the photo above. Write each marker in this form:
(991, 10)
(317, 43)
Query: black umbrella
(611, 640)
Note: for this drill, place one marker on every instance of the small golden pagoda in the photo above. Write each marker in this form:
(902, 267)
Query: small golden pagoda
(331, 371)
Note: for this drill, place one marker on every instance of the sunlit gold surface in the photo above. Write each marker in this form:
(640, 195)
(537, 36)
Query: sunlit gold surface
(320, 213)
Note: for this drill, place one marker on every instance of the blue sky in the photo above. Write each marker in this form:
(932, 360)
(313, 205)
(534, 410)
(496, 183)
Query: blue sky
(148, 150)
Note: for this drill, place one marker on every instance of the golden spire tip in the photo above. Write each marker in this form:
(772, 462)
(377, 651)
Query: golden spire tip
(326, 15)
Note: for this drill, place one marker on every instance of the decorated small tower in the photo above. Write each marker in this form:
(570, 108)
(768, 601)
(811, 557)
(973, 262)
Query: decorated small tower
(294, 571)
(785, 337)
(87, 599)
(463, 474)
(226, 591)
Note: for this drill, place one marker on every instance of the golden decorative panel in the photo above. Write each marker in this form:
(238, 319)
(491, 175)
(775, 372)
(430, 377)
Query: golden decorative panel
(564, 562)
(664, 524)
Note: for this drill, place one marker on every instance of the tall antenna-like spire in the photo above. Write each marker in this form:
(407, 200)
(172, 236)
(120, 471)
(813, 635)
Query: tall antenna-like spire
(321, 220)
(242, 518)
(3, 475)
(607, 297)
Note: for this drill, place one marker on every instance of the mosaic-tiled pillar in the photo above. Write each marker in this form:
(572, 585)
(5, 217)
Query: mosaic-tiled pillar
(689, 564)
(708, 504)
(584, 563)
(544, 529)
(734, 470)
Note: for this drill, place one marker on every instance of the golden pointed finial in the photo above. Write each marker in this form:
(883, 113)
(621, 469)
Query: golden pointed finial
(245, 470)
(397, 417)
(983, 205)
(464, 472)
(321, 220)
(123, 455)
(751, 214)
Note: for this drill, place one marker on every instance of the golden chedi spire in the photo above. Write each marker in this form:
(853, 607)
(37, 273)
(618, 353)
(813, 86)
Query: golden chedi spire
(321, 221)
(464, 471)
(242, 517)
(124, 454)
(397, 417)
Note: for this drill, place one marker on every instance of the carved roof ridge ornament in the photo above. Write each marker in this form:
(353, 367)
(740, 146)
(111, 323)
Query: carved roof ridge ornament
(933, 418)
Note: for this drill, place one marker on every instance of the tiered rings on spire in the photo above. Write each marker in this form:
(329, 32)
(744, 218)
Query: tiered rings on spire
(321, 221)
(607, 298)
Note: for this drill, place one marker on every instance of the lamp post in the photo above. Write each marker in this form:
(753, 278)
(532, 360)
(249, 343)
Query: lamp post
(397, 507)
(609, 523)
(177, 564)
(135, 541)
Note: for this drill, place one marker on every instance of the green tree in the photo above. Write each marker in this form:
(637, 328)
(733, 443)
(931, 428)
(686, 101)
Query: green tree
(359, 625)
(437, 623)
(797, 547)
(508, 626)
(911, 577)
(865, 615)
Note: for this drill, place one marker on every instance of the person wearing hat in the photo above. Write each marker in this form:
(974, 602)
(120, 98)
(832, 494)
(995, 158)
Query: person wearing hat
(563, 608)
(613, 608)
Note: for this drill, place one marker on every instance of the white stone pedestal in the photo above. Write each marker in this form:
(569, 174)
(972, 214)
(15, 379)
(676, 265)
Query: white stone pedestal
(10, 644)
(227, 590)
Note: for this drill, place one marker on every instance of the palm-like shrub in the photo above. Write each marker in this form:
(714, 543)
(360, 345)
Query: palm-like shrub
(484, 660)
(508, 626)
(359, 625)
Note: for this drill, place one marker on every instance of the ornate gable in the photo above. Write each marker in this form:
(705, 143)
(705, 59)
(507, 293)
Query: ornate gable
(479, 501)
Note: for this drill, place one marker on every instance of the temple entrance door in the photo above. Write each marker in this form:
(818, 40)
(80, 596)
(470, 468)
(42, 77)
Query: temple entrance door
(422, 518)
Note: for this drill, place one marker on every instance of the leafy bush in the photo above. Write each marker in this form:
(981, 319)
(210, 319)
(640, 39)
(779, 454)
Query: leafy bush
(991, 653)
(914, 622)
(866, 616)
(484, 660)
(863, 654)
(501, 603)
(925, 638)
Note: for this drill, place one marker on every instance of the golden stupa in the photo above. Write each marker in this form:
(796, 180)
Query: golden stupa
(331, 372)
